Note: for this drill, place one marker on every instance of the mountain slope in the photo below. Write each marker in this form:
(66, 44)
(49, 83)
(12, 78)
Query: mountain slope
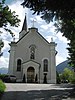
(60, 68)
(3, 70)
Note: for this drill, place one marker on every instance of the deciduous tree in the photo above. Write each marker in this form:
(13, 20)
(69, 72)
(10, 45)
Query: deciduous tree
(61, 12)
(7, 17)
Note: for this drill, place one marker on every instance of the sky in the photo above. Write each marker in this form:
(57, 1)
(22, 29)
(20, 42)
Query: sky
(46, 30)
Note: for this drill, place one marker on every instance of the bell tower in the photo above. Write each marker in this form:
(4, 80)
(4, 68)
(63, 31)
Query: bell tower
(24, 28)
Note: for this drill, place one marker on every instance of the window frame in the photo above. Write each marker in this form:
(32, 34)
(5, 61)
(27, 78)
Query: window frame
(45, 65)
(19, 62)
(32, 51)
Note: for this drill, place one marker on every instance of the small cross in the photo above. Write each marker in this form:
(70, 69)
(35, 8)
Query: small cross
(33, 21)
(51, 39)
(13, 36)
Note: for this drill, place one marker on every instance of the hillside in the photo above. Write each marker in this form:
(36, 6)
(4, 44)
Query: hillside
(62, 66)
(59, 68)
(3, 70)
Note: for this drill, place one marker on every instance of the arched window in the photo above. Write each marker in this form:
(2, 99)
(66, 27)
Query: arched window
(19, 65)
(45, 65)
(32, 53)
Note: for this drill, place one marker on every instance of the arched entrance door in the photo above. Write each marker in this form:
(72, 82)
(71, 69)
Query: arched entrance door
(30, 75)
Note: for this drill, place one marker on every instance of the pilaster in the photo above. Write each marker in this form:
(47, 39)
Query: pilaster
(53, 61)
(12, 58)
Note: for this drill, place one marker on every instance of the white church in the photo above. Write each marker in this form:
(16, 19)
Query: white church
(32, 57)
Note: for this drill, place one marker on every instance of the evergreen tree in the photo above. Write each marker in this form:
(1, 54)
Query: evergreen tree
(36, 79)
(71, 52)
(24, 79)
(58, 80)
(45, 78)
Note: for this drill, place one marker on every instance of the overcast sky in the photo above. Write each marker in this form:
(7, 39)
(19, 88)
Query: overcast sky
(47, 30)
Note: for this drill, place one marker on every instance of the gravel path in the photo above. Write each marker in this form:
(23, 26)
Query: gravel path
(21, 91)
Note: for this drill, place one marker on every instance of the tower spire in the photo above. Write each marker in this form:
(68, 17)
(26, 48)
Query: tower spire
(24, 27)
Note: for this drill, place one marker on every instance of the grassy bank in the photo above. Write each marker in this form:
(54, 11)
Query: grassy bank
(2, 87)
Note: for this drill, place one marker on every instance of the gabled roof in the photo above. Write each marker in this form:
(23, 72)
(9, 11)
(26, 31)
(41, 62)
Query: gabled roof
(43, 38)
(37, 33)
(31, 61)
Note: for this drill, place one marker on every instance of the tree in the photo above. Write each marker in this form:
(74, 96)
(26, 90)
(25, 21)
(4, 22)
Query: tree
(24, 79)
(7, 17)
(36, 79)
(61, 12)
(71, 52)
(58, 80)
(67, 75)
(1, 46)
(45, 78)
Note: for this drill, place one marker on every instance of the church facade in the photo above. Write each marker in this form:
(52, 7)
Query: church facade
(32, 57)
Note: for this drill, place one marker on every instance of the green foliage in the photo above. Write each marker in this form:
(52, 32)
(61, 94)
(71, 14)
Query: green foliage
(67, 75)
(73, 80)
(58, 80)
(62, 13)
(1, 46)
(2, 76)
(2, 87)
(7, 17)
(71, 52)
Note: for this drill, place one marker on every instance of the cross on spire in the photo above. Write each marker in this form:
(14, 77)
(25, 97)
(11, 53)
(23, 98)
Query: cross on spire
(33, 21)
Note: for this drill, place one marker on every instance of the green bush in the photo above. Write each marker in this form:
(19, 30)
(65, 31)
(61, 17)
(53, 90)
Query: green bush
(73, 79)
(58, 80)
(2, 87)
(2, 77)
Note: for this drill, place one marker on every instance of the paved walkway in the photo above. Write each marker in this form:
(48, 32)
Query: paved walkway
(38, 92)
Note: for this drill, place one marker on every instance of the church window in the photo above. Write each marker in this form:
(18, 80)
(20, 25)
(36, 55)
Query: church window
(19, 65)
(32, 53)
(45, 65)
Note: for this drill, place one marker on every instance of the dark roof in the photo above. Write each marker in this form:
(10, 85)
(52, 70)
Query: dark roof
(22, 37)
(24, 25)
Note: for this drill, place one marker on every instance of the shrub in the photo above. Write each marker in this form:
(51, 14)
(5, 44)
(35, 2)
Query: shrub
(57, 78)
(24, 79)
(36, 79)
(2, 87)
(2, 76)
(73, 80)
